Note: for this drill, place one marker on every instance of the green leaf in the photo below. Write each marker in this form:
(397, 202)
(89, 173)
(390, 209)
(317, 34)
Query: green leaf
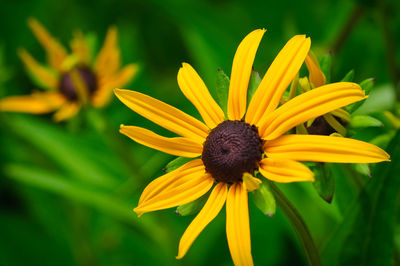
(192, 207)
(264, 199)
(325, 64)
(176, 163)
(358, 121)
(367, 86)
(69, 153)
(64, 186)
(254, 81)
(349, 76)
(222, 89)
(365, 236)
(324, 182)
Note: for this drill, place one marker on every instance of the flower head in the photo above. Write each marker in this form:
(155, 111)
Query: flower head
(229, 151)
(71, 80)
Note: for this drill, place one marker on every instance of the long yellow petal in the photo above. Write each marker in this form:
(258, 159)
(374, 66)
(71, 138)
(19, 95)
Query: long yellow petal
(56, 53)
(237, 225)
(108, 59)
(178, 176)
(240, 75)
(324, 149)
(80, 48)
(177, 194)
(67, 111)
(309, 105)
(278, 77)
(316, 76)
(176, 146)
(164, 115)
(107, 84)
(37, 103)
(43, 75)
(285, 171)
(210, 210)
(193, 87)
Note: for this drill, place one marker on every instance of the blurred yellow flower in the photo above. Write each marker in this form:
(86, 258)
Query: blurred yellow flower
(232, 150)
(71, 80)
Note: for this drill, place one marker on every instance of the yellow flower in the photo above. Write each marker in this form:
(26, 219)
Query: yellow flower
(72, 79)
(233, 149)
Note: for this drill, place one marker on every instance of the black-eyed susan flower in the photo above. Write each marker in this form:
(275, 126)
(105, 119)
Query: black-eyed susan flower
(228, 151)
(71, 79)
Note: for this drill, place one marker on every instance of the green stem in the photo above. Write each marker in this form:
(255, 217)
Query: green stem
(347, 28)
(391, 46)
(299, 226)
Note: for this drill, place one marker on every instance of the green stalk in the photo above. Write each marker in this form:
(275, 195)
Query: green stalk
(299, 226)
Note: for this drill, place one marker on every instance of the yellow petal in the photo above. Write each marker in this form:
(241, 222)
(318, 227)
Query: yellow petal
(176, 146)
(193, 87)
(278, 77)
(164, 115)
(240, 74)
(309, 105)
(80, 48)
(317, 77)
(210, 210)
(284, 170)
(107, 84)
(237, 225)
(37, 103)
(43, 75)
(178, 176)
(56, 53)
(193, 187)
(108, 59)
(251, 182)
(324, 149)
(67, 111)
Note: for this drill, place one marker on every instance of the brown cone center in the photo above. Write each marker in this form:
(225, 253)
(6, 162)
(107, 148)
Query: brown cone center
(231, 149)
(68, 86)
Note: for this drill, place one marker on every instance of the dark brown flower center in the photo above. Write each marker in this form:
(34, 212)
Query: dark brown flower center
(68, 82)
(321, 127)
(231, 149)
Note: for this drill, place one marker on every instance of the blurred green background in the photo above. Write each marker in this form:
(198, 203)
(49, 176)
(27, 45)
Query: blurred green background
(67, 190)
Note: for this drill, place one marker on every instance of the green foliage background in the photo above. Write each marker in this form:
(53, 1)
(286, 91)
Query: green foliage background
(67, 190)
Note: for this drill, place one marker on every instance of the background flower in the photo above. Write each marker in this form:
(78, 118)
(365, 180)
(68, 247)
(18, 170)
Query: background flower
(72, 80)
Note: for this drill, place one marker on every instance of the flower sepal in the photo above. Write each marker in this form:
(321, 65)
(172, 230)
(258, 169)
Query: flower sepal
(349, 77)
(176, 163)
(254, 82)
(326, 64)
(265, 199)
(324, 182)
(222, 89)
(367, 86)
(193, 207)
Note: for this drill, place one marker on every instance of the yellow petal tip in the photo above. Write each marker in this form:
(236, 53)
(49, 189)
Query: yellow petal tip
(139, 214)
